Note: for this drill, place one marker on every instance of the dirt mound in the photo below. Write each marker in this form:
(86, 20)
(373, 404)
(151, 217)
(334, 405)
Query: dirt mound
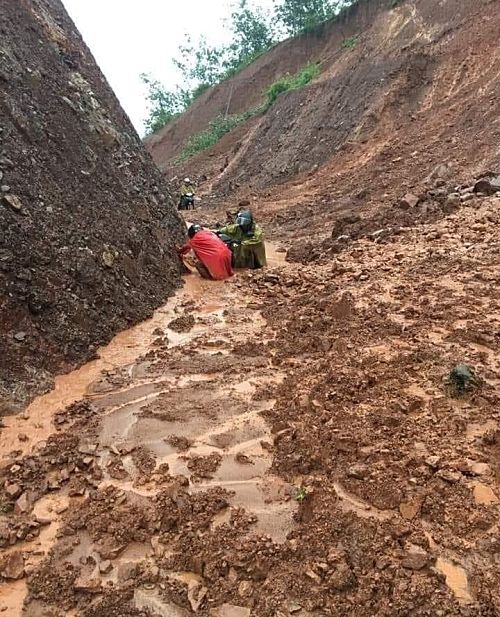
(87, 224)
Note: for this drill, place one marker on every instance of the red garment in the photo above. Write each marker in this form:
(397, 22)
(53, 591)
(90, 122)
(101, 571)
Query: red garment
(212, 253)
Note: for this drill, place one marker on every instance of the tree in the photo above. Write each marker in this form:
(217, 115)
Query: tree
(252, 34)
(299, 15)
(164, 105)
(201, 63)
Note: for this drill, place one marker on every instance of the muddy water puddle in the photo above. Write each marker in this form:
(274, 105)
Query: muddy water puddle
(122, 351)
(144, 404)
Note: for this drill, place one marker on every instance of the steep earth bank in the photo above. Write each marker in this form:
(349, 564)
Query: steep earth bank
(87, 224)
(410, 104)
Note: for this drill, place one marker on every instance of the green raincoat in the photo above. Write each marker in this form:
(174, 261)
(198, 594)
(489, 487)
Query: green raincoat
(251, 252)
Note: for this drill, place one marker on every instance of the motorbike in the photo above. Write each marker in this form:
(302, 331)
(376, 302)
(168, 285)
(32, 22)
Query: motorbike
(187, 202)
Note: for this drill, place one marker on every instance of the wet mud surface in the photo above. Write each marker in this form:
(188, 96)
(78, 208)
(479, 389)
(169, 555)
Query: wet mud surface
(292, 447)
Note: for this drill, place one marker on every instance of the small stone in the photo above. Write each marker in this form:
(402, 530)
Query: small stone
(313, 576)
(108, 259)
(158, 548)
(12, 566)
(453, 200)
(449, 476)
(433, 461)
(105, 567)
(13, 490)
(23, 504)
(20, 336)
(358, 472)
(245, 589)
(408, 201)
(293, 607)
(196, 596)
(479, 469)
(23, 437)
(61, 508)
(5, 188)
(487, 186)
(416, 559)
(467, 197)
(409, 510)
(13, 202)
(90, 585)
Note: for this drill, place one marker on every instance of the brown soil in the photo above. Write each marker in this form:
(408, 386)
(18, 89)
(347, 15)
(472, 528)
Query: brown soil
(292, 441)
(338, 473)
(90, 250)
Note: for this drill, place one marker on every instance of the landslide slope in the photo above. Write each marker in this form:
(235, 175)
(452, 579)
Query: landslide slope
(87, 226)
(402, 90)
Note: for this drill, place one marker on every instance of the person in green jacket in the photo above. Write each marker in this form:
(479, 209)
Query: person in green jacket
(249, 249)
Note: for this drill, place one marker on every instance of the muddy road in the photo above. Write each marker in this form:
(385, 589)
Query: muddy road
(284, 443)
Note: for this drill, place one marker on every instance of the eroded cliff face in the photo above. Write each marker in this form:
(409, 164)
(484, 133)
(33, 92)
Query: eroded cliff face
(87, 225)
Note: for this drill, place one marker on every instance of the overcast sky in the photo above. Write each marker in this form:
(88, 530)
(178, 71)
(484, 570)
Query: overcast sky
(130, 37)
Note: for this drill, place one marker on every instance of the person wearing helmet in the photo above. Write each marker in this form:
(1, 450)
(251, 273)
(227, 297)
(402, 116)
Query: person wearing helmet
(186, 195)
(249, 249)
(213, 257)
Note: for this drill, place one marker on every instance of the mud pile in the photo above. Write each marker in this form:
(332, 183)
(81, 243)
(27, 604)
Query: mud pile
(322, 460)
(87, 225)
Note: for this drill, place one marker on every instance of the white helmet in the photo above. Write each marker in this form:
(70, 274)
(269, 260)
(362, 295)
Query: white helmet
(187, 181)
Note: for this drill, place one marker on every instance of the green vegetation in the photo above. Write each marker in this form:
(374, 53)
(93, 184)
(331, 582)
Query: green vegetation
(253, 32)
(224, 124)
(350, 42)
(216, 130)
(291, 82)
(298, 16)
(301, 494)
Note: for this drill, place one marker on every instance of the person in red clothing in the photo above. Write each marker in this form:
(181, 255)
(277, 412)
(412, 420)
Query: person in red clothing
(213, 256)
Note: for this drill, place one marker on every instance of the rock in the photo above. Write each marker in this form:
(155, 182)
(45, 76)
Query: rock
(20, 336)
(13, 490)
(245, 589)
(90, 585)
(23, 437)
(230, 610)
(108, 259)
(440, 172)
(23, 504)
(158, 548)
(6, 162)
(449, 476)
(126, 572)
(312, 575)
(488, 186)
(105, 567)
(196, 596)
(479, 469)
(408, 201)
(433, 461)
(4, 188)
(358, 472)
(12, 566)
(467, 197)
(293, 607)
(12, 201)
(416, 559)
(410, 510)
(452, 201)
(342, 578)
